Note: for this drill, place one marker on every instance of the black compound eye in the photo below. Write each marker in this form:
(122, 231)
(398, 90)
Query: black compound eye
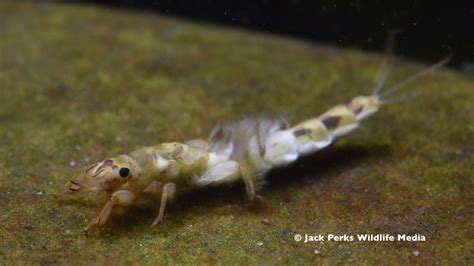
(124, 172)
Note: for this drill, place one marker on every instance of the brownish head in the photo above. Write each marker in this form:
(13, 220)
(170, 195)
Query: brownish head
(108, 175)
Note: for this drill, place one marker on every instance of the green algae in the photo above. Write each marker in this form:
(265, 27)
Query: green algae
(80, 83)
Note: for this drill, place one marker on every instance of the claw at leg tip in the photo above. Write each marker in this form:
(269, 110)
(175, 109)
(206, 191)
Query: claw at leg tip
(154, 224)
(259, 198)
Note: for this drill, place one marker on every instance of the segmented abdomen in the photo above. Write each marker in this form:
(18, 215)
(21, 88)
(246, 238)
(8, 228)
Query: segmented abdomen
(267, 143)
(285, 146)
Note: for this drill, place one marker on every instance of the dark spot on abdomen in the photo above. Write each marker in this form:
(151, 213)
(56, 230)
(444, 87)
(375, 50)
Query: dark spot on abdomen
(358, 110)
(331, 121)
(302, 132)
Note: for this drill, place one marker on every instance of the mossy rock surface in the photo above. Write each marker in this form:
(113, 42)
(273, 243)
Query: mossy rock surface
(82, 83)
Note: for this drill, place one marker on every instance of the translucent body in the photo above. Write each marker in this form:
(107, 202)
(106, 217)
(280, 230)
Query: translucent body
(245, 151)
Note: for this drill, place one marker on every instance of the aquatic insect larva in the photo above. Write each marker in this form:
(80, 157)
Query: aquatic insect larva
(243, 150)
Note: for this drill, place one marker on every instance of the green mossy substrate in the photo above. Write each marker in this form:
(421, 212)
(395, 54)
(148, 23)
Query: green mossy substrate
(81, 83)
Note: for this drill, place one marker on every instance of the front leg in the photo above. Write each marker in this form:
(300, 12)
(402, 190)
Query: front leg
(169, 191)
(121, 197)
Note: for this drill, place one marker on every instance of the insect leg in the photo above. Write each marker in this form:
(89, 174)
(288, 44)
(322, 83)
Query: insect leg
(101, 218)
(223, 173)
(121, 197)
(249, 181)
(169, 191)
(226, 173)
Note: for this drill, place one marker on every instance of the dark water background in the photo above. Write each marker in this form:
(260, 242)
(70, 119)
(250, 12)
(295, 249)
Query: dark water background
(427, 31)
